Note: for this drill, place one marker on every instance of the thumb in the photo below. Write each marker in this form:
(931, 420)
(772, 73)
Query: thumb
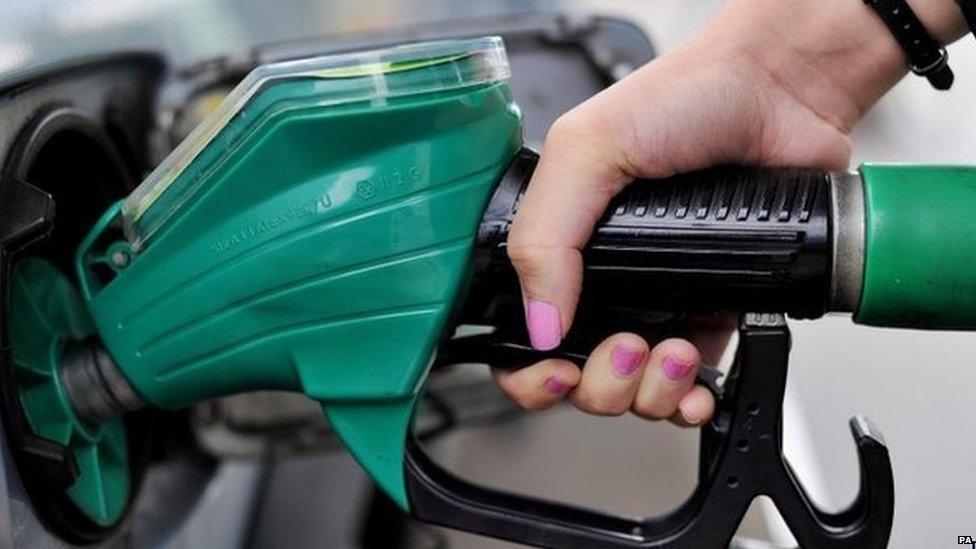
(577, 175)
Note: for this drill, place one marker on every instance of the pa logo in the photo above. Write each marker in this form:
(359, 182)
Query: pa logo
(966, 540)
(365, 189)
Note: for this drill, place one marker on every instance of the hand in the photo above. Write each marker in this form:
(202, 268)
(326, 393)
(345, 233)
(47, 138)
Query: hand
(765, 83)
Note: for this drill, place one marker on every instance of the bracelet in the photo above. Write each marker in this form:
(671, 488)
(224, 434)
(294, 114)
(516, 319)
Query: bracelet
(968, 8)
(926, 57)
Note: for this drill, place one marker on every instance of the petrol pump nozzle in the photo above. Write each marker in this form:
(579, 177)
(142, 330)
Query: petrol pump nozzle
(327, 229)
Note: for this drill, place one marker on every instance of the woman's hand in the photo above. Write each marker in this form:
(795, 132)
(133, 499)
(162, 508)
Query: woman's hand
(767, 82)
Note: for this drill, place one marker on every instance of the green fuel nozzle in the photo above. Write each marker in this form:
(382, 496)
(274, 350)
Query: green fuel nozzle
(313, 235)
(328, 227)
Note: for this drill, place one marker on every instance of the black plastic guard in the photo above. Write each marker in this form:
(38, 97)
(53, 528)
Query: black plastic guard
(741, 459)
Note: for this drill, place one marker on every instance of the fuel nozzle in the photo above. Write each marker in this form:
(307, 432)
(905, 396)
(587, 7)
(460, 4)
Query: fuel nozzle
(95, 387)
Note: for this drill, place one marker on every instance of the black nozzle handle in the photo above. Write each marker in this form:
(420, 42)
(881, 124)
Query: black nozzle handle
(740, 458)
(725, 238)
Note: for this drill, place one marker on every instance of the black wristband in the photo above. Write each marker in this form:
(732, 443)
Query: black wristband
(968, 8)
(926, 57)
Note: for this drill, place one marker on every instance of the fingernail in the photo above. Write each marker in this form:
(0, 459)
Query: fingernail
(625, 359)
(544, 326)
(555, 386)
(675, 368)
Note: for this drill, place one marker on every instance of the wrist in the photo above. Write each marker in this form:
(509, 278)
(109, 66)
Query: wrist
(835, 56)
(942, 18)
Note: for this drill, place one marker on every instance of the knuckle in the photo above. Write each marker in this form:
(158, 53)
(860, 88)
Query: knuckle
(542, 261)
(526, 258)
(530, 262)
(572, 125)
(538, 258)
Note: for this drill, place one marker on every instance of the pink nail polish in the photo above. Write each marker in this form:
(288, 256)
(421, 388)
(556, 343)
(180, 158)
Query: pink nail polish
(555, 386)
(676, 369)
(626, 360)
(545, 330)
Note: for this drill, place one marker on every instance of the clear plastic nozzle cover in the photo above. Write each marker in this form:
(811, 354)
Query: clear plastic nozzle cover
(375, 75)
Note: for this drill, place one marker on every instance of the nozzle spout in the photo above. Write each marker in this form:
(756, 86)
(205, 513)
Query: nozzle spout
(95, 387)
